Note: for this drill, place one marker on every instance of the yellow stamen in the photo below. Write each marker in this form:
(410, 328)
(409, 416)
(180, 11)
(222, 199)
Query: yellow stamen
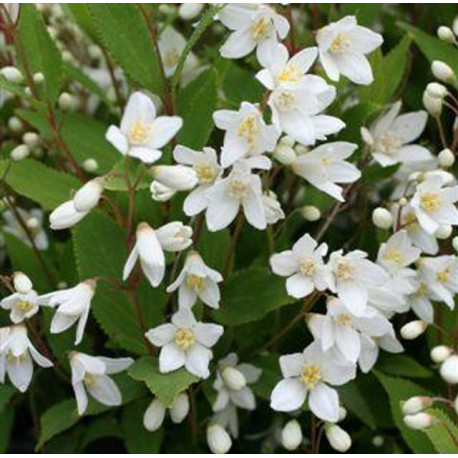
(139, 132)
(261, 28)
(307, 267)
(205, 173)
(430, 201)
(310, 376)
(195, 282)
(184, 338)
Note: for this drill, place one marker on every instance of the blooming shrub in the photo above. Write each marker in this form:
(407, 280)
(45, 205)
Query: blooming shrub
(223, 224)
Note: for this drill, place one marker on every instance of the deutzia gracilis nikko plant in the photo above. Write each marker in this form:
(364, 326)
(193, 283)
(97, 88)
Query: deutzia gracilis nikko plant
(228, 228)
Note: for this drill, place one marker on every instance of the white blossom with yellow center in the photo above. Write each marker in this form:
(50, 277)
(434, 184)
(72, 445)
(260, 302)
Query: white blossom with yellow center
(21, 306)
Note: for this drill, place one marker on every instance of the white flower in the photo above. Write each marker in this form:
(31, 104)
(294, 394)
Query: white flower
(304, 267)
(176, 177)
(150, 247)
(17, 355)
(155, 413)
(207, 169)
(246, 133)
(185, 342)
(73, 306)
(241, 188)
(161, 193)
(65, 216)
(325, 166)
(229, 386)
(197, 281)
(390, 136)
(218, 439)
(141, 133)
(343, 46)
(272, 208)
(308, 374)
(254, 26)
(433, 204)
(88, 196)
(341, 329)
(34, 221)
(21, 305)
(91, 374)
(353, 276)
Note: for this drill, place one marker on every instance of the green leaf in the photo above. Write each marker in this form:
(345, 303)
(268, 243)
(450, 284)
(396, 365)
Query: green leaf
(444, 434)
(239, 85)
(395, 65)
(40, 50)
(375, 173)
(213, 247)
(196, 104)
(18, 90)
(100, 428)
(7, 413)
(251, 294)
(165, 386)
(32, 179)
(402, 366)
(122, 29)
(270, 375)
(82, 16)
(400, 390)
(366, 13)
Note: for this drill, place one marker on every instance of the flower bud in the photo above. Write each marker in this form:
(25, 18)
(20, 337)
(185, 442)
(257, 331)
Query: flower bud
(455, 405)
(301, 149)
(233, 378)
(440, 353)
(218, 439)
(19, 153)
(310, 213)
(433, 105)
(455, 26)
(436, 90)
(188, 11)
(284, 154)
(177, 177)
(174, 236)
(31, 139)
(420, 420)
(403, 201)
(455, 243)
(90, 165)
(154, 415)
(445, 33)
(65, 216)
(378, 441)
(382, 218)
(22, 283)
(160, 192)
(15, 124)
(33, 223)
(179, 408)
(88, 196)
(446, 158)
(443, 232)
(38, 78)
(413, 329)
(449, 369)
(338, 438)
(342, 413)
(416, 404)
(443, 72)
(65, 101)
(12, 74)
(291, 435)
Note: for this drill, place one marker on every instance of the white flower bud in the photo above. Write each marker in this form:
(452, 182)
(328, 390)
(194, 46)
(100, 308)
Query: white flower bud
(455, 405)
(22, 283)
(436, 90)
(160, 192)
(382, 218)
(378, 441)
(31, 139)
(433, 105)
(455, 26)
(449, 369)
(67, 56)
(15, 124)
(284, 154)
(291, 435)
(218, 439)
(446, 158)
(446, 34)
(90, 165)
(455, 243)
(301, 149)
(443, 232)
(88, 196)
(420, 420)
(174, 236)
(177, 177)
(440, 353)
(38, 78)
(286, 140)
(65, 216)
(413, 329)
(443, 72)
(233, 378)
(166, 9)
(12, 74)
(188, 11)
(19, 153)
(342, 413)
(154, 415)
(403, 201)
(338, 438)
(179, 408)
(94, 52)
(33, 223)
(62, 285)
(65, 101)
(416, 404)
(310, 213)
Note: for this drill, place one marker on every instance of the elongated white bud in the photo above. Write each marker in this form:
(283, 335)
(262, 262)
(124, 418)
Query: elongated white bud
(15, 124)
(413, 329)
(188, 11)
(310, 213)
(445, 33)
(233, 378)
(177, 177)
(65, 101)
(433, 105)
(218, 439)
(19, 153)
(382, 218)
(446, 158)
(284, 154)
(420, 420)
(179, 408)
(416, 404)
(160, 192)
(455, 405)
(443, 232)
(31, 139)
(455, 26)
(65, 216)
(449, 370)
(443, 72)
(291, 435)
(436, 90)
(12, 74)
(342, 413)
(440, 353)
(90, 165)
(22, 283)
(338, 438)
(88, 196)
(154, 415)
(455, 243)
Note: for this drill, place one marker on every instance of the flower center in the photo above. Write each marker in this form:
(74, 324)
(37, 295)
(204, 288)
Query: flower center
(289, 73)
(285, 101)
(184, 338)
(341, 43)
(248, 128)
(343, 319)
(390, 144)
(24, 306)
(410, 221)
(238, 189)
(205, 173)
(195, 282)
(394, 256)
(260, 28)
(307, 267)
(326, 161)
(444, 275)
(139, 132)
(422, 290)
(171, 58)
(16, 359)
(311, 375)
(344, 270)
(90, 380)
(430, 201)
